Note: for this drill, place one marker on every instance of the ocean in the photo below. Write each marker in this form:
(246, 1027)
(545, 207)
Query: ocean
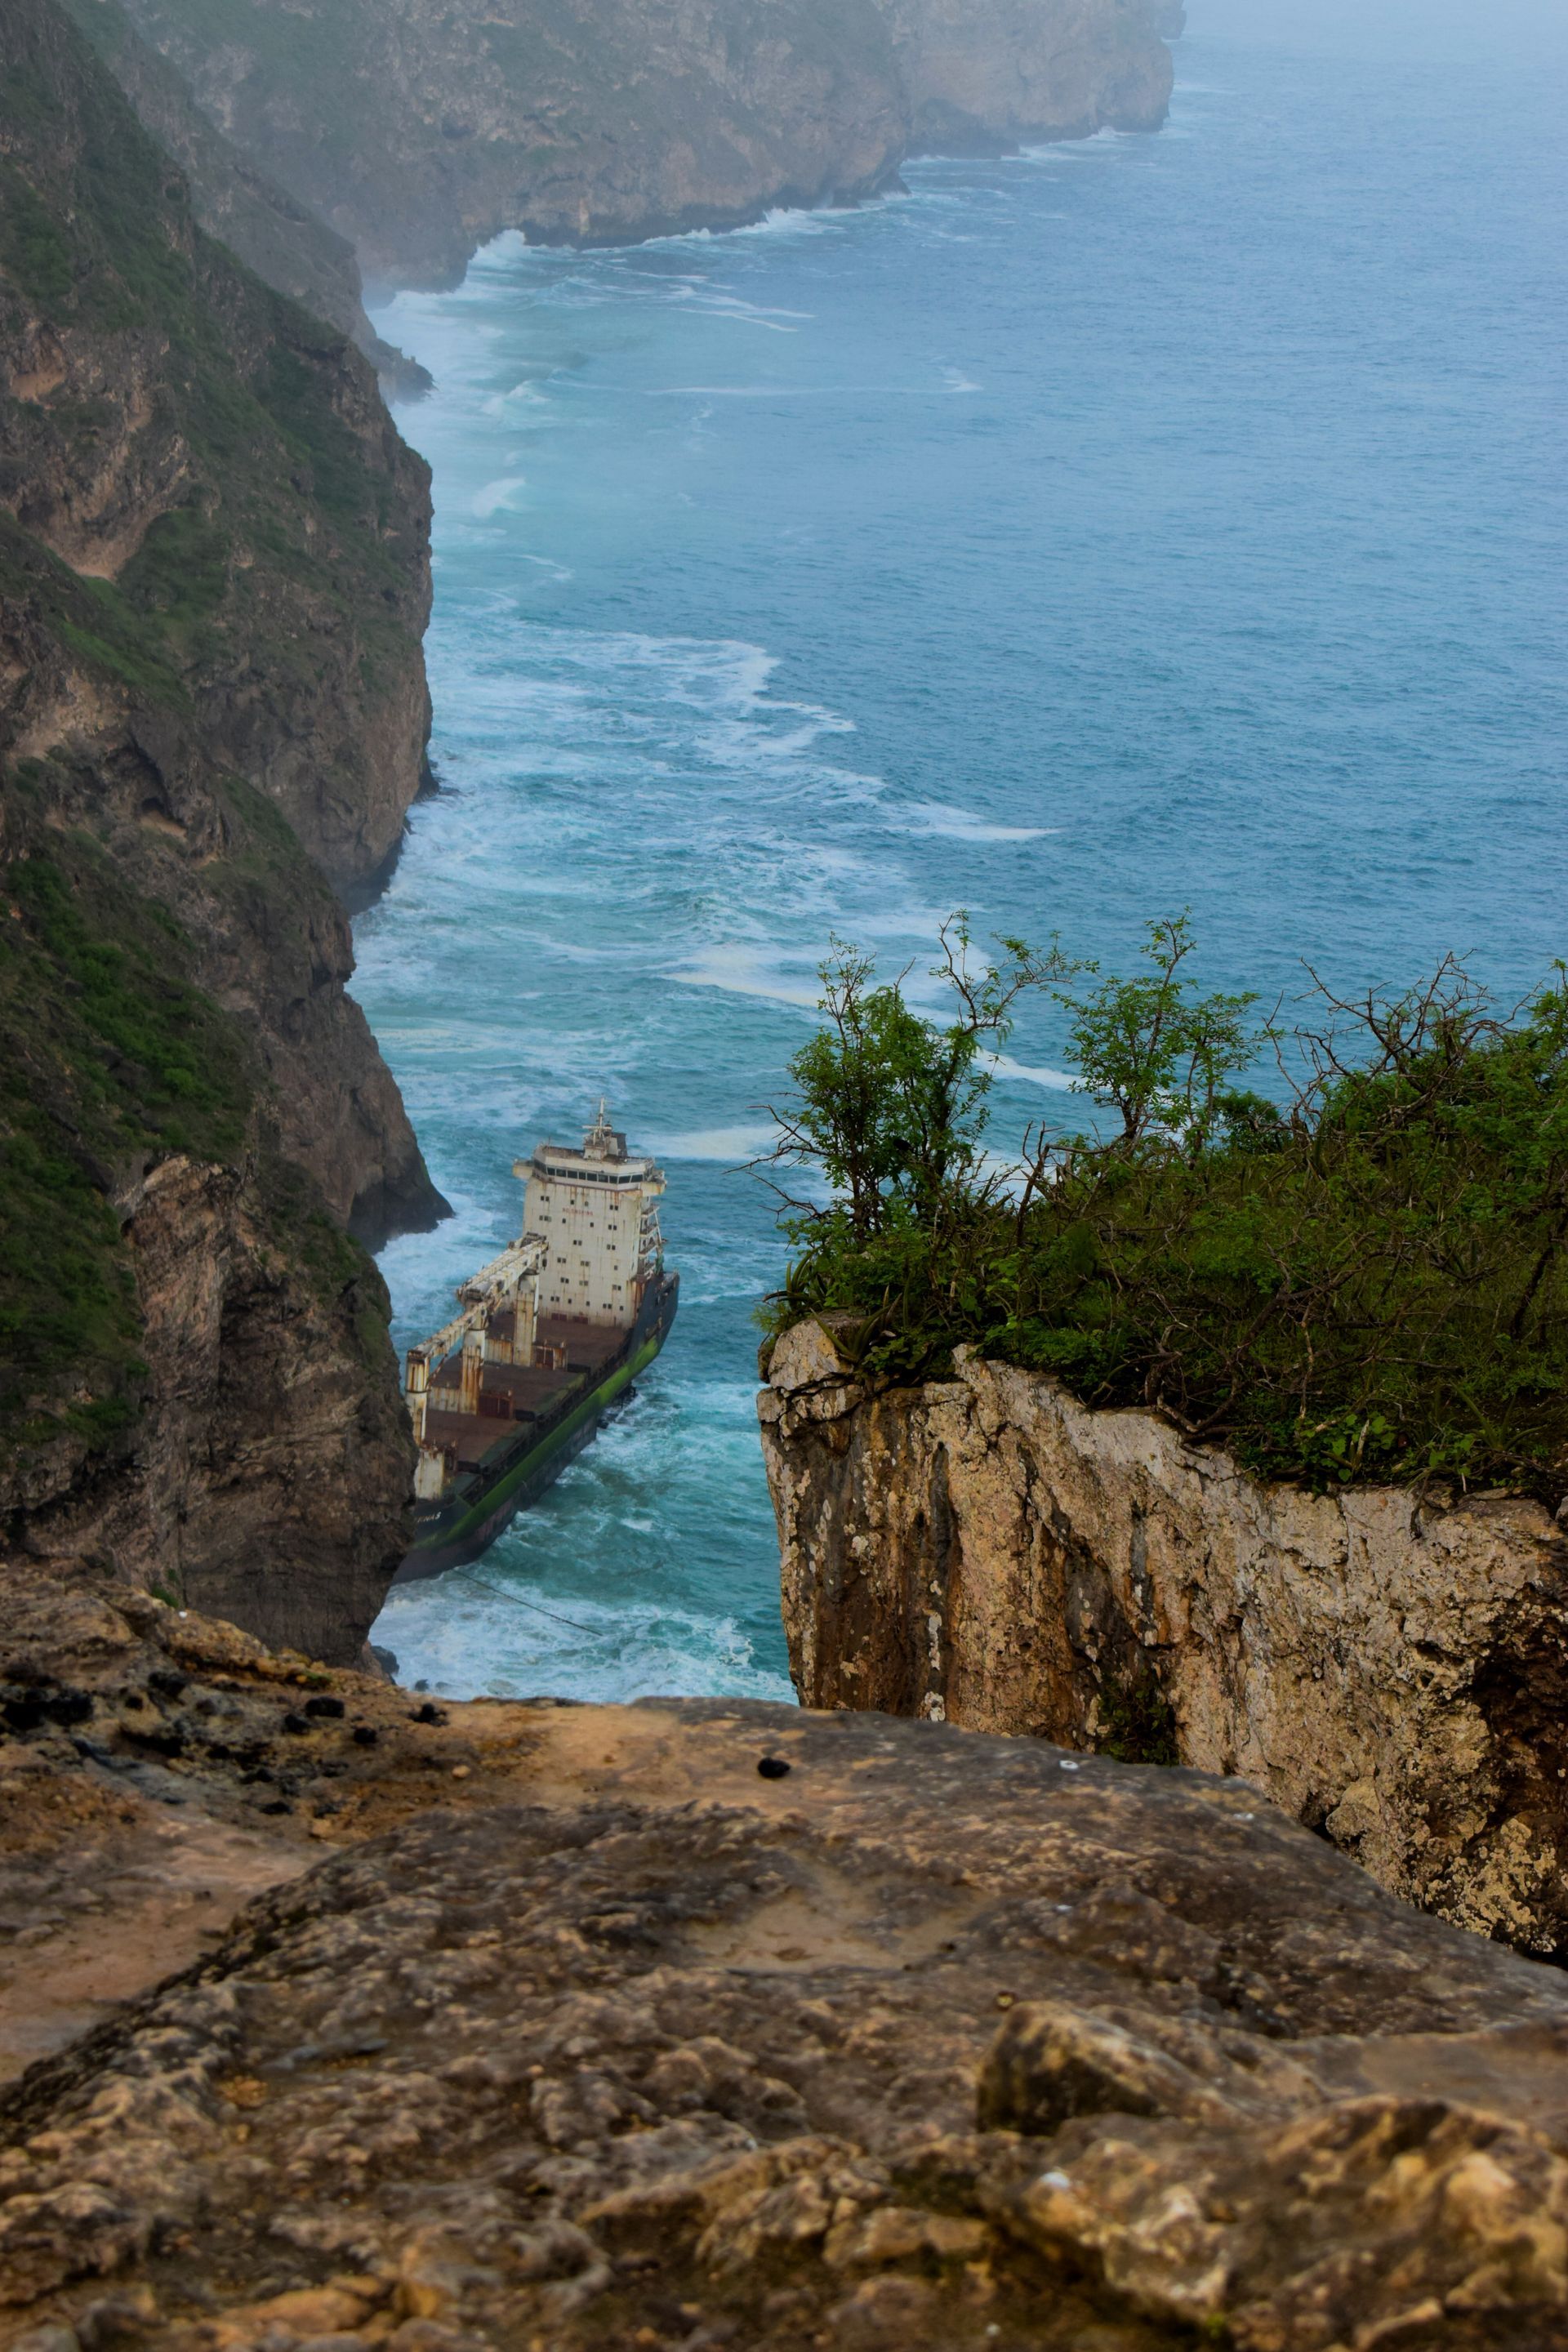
(1146, 523)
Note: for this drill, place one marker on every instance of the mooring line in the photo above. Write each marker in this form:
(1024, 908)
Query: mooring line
(519, 1603)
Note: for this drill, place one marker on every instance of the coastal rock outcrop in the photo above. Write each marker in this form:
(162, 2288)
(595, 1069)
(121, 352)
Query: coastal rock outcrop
(212, 584)
(582, 2032)
(982, 76)
(418, 133)
(1391, 1669)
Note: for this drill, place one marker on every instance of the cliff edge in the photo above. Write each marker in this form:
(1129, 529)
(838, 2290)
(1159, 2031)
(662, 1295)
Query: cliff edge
(213, 584)
(702, 2023)
(988, 1551)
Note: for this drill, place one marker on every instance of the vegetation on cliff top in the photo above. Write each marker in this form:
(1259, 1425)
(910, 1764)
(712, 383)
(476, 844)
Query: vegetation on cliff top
(1366, 1277)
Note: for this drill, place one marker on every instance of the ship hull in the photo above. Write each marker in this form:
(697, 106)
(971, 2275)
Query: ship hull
(459, 1529)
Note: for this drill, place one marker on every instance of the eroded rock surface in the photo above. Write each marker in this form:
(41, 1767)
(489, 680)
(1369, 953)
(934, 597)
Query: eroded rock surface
(1391, 1669)
(587, 2033)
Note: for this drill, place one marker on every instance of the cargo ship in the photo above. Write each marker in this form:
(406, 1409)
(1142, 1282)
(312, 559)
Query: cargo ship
(546, 1337)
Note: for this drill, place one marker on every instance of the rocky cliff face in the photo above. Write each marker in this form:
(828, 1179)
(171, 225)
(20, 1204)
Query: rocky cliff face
(273, 234)
(1390, 1671)
(176, 429)
(213, 581)
(569, 2028)
(419, 132)
(980, 77)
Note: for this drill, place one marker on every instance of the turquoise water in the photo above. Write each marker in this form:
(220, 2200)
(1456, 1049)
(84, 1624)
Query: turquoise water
(1154, 522)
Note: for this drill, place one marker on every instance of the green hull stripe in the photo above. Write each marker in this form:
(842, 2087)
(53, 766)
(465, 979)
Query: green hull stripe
(438, 1539)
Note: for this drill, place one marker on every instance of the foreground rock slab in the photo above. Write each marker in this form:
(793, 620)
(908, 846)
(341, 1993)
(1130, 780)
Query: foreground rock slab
(930, 2040)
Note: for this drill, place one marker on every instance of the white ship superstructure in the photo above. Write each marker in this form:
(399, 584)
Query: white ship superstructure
(595, 1208)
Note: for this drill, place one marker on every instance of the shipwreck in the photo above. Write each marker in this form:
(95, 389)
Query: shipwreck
(547, 1336)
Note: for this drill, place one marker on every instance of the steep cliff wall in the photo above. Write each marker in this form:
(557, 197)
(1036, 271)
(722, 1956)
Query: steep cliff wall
(179, 430)
(273, 233)
(1394, 1672)
(419, 132)
(212, 586)
(983, 75)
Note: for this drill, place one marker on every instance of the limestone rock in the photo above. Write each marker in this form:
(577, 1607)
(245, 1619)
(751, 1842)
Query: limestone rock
(636, 2049)
(1391, 1669)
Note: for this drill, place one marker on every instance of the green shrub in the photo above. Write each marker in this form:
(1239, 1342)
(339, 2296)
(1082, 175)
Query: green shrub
(1367, 1279)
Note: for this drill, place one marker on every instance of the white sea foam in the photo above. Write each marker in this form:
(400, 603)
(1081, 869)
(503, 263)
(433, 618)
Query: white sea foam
(495, 1633)
(742, 971)
(528, 396)
(497, 496)
(1038, 1073)
(700, 295)
(962, 825)
(730, 1145)
(784, 222)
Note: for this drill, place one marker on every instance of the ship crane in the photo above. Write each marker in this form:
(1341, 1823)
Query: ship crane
(510, 1282)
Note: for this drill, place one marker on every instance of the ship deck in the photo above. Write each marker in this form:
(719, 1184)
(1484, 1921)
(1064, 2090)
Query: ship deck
(516, 1394)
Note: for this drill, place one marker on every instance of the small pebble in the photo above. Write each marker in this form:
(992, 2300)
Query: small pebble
(773, 1768)
(460, 1771)
(1005, 1999)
